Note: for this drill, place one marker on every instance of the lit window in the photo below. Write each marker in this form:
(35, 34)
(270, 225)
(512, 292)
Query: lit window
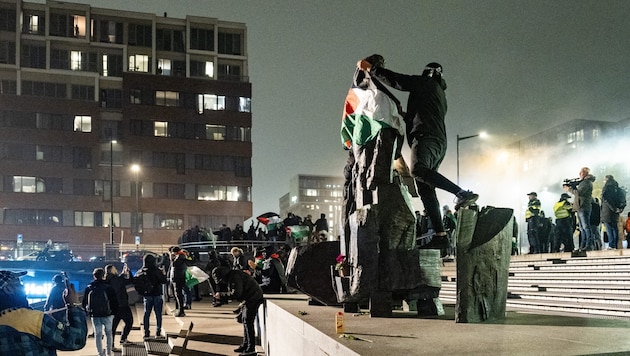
(75, 60)
(164, 66)
(215, 132)
(83, 123)
(210, 102)
(244, 104)
(104, 65)
(139, 63)
(210, 69)
(24, 184)
(84, 218)
(33, 25)
(166, 98)
(311, 193)
(211, 192)
(160, 129)
(232, 193)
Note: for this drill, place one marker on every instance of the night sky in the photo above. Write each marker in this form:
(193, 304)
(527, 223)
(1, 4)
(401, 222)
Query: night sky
(513, 68)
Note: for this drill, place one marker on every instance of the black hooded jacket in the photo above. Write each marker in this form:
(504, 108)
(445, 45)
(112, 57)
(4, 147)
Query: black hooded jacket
(426, 105)
(150, 268)
(241, 286)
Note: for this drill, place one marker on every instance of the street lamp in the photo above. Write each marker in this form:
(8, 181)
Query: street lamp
(111, 190)
(135, 168)
(462, 138)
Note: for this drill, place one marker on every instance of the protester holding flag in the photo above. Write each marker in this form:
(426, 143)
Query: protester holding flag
(426, 135)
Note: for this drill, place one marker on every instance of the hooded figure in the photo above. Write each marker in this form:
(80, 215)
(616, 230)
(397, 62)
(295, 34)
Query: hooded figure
(55, 299)
(38, 333)
(152, 301)
(242, 287)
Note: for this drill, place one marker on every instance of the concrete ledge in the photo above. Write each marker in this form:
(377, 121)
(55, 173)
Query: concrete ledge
(286, 331)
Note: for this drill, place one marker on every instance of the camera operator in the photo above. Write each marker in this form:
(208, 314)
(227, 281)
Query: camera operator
(582, 193)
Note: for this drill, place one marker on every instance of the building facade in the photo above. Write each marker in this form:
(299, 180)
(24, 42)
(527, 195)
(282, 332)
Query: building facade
(117, 126)
(315, 195)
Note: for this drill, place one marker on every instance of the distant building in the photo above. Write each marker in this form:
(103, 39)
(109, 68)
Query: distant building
(88, 93)
(315, 195)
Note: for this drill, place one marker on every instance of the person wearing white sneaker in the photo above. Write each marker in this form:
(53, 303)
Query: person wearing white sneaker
(426, 135)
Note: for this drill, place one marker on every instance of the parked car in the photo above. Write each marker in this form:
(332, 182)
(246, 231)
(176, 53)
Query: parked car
(50, 255)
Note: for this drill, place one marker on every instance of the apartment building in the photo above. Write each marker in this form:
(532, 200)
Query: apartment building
(315, 195)
(120, 126)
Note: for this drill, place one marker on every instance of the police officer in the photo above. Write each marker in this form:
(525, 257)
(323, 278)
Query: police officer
(532, 217)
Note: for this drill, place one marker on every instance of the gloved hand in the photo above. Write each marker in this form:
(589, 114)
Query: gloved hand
(364, 65)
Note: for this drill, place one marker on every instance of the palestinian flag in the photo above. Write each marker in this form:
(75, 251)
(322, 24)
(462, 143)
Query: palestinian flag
(367, 110)
(298, 233)
(269, 218)
(195, 275)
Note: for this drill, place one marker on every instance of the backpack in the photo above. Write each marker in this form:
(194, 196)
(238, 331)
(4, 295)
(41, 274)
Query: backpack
(98, 302)
(142, 283)
(619, 198)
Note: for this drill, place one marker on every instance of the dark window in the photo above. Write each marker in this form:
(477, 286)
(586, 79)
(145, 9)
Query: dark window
(112, 65)
(33, 56)
(61, 25)
(229, 72)
(202, 39)
(111, 98)
(7, 52)
(83, 187)
(8, 87)
(59, 59)
(83, 92)
(142, 127)
(109, 31)
(81, 157)
(140, 35)
(7, 20)
(230, 43)
(51, 90)
(168, 190)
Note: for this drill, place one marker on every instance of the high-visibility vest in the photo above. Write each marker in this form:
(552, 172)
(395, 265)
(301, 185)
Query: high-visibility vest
(532, 205)
(561, 209)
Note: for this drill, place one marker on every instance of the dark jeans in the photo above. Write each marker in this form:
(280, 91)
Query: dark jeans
(124, 314)
(584, 221)
(152, 303)
(533, 234)
(564, 229)
(249, 312)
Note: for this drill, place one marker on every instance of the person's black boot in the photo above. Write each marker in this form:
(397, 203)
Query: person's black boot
(240, 348)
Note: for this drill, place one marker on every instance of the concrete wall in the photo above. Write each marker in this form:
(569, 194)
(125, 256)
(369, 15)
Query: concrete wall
(282, 331)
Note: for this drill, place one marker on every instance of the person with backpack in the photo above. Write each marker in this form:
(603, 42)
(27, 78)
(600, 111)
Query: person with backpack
(119, 283)
(148, 283)
(612, 204)
(100, 302)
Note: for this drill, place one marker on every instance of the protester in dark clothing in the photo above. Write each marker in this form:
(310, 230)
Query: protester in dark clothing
(37, 333)
(55, 300)
(242, 287)
(214, 261)
(610, 212)
(177, 276)
(532, 217)
(153, 300)
(595, 223)
(239, 260)
(426, 135)
(119, 283)
(103, 317)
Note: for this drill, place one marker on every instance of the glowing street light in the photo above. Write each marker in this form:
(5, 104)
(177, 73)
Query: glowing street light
(135, 168)
(462, 138)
